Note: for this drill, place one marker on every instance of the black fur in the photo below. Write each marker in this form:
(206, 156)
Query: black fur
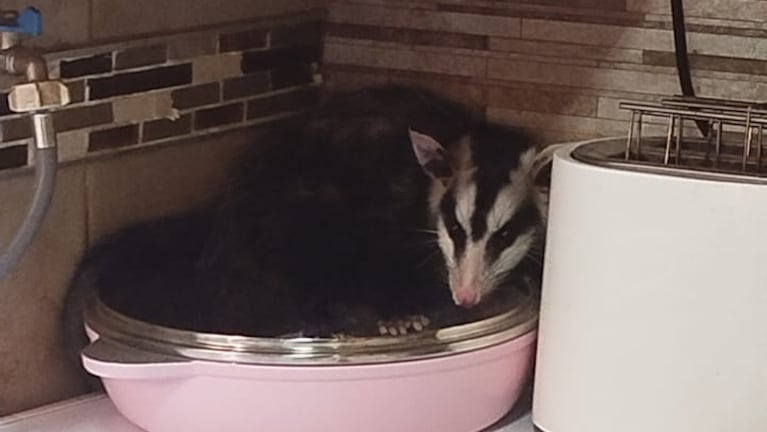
(494, 156)
(322, 230)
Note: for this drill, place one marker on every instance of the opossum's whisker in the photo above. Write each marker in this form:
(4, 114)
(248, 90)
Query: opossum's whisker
(421, 230)
(430, 257)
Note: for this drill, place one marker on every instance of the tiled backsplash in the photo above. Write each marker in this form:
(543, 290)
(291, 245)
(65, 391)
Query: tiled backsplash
(148, 91)
(154, 126)
(557, 66)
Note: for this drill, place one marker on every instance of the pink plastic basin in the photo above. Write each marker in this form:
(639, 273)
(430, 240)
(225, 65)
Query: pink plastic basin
(459, 388)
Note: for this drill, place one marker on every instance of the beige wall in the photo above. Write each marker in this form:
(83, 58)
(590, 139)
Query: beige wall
(557, 66)
(90, 199)
(71, 23)
(135, 149)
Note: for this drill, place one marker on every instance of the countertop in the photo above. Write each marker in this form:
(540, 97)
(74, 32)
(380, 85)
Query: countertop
(96, 413)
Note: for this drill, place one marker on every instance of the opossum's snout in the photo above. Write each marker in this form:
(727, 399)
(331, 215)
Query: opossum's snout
(484, 265)
(466, 282)
(466, 297)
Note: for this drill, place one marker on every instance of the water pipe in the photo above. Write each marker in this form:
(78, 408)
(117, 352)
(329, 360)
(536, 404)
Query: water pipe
(38, 96)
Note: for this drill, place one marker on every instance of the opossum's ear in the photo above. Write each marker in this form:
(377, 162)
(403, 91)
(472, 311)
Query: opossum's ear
(431, 156)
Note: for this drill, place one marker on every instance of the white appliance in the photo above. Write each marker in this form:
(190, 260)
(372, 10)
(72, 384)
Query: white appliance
(654, 306)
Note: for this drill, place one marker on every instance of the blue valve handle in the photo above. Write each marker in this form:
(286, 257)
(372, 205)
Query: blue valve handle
(29, 21)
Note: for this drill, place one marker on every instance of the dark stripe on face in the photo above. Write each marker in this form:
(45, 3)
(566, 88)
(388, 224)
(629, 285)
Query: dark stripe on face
(495, 152)
(526, 217)
(454, 229)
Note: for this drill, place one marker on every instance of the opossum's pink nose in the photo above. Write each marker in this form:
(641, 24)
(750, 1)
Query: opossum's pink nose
(466, 298)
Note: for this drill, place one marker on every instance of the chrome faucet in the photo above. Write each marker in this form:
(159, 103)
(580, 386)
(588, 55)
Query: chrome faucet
(37, 95)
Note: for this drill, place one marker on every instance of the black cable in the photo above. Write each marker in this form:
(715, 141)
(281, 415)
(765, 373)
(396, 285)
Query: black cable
(682, 59)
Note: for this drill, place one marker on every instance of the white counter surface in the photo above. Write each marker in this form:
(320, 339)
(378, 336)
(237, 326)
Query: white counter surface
(95, 413)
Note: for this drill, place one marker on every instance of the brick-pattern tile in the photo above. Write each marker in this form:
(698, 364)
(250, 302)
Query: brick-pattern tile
(575, 76)
(72, 145)
(141, 81)
(141, 56)
(574, 14)
(292, 76)
(219, 116)
(16, 129)
(216, 67)
(165, 128)
(726, 11)
(155, 89)
(564, 50)
(78, 118)
(526, 99)
(5, 109)
(243, 40)
(424, 19)
(190, 97)
(408, 36)
(76, 91)
(13, 157)
(559, 67)
(406, 59)
(246, 86)
(708, 62)
(121, 136)
(618, 5)
(140, 107)
(272, 59)
(93, 65)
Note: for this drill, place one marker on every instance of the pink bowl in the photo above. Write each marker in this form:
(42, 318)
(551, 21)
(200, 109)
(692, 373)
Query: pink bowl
(459, 391)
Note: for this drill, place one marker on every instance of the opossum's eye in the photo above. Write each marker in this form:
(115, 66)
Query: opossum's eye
(455, 228)
(505, 233)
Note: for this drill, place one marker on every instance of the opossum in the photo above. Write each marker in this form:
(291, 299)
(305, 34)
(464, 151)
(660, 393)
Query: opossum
(376, 208)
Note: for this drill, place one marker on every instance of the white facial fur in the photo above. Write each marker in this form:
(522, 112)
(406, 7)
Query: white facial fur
(471, 276)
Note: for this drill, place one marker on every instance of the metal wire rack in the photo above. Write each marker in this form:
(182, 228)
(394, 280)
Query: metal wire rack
(734, 144)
